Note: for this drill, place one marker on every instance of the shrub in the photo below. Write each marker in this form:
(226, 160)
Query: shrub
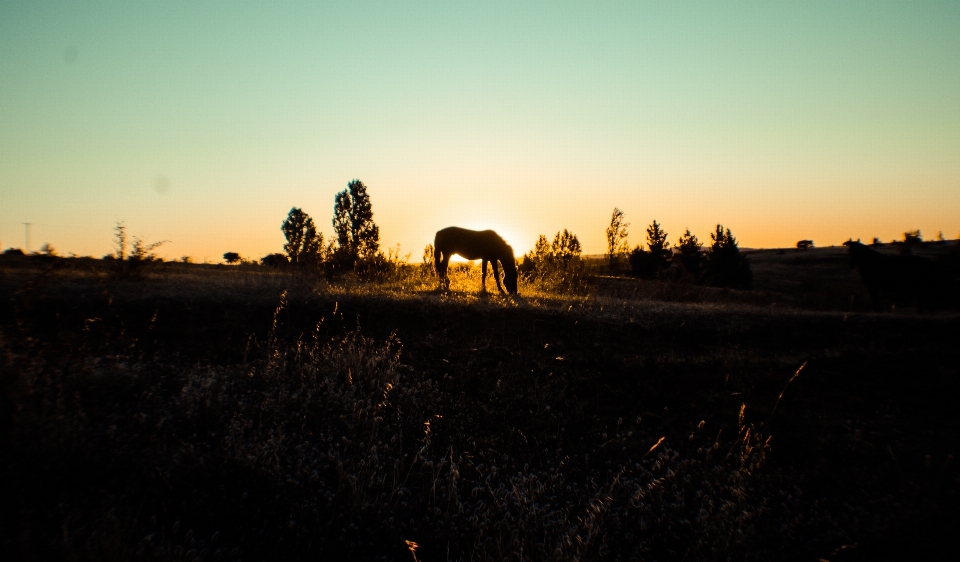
(556, 266)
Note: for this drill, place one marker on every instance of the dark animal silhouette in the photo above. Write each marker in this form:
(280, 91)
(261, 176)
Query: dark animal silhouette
(483, 245)
(895, 279)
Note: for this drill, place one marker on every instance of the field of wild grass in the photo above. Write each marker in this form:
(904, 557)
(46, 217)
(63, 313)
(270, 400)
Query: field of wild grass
(205, 413)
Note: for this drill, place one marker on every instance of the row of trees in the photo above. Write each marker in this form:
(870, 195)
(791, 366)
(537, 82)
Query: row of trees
(558, 264)
(720, 265)
(357, 243)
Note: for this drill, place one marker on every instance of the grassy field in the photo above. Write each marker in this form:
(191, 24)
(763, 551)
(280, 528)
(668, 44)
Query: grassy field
(220, 413)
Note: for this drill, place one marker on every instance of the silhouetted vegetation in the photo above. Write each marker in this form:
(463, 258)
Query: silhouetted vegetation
(804, 244)
(911, 239)
(617, 246)
(275, 260)
(358, 237)
(304, 244)
(129, 258)
(649, 263)
(556, 266)
(231, 257)
(240, 413)
(725, 266)
(689, 254)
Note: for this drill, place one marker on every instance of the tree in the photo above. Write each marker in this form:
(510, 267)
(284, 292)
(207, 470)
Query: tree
(565, 247)
(275, 260)
(304, 244)
(658, 245)
(690, 253)
(642, 263)
(537, 259)
(911, 238)
(231, 257)
(725, 266)
(358, 237)
(120, 243)
(129, 257)
(617, 245)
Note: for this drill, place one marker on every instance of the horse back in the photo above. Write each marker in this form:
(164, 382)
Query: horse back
(471, 244)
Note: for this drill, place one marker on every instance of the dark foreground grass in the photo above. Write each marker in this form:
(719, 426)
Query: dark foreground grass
(242, 418)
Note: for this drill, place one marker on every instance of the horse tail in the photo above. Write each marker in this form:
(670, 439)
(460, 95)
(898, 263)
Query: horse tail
(439, 249)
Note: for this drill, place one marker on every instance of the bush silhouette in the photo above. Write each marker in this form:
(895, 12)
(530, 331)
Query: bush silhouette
(231, 257)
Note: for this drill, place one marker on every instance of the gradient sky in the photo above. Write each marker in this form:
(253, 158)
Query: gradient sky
(203, 123)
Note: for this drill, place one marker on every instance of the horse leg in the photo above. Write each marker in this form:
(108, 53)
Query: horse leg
(483, 276)
(496, 276)
(441, 262)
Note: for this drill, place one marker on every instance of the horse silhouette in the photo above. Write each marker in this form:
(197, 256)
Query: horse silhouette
(484, 245)
(895, 279)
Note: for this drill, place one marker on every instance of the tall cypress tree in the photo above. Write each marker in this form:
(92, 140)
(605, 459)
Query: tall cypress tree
(358, 237)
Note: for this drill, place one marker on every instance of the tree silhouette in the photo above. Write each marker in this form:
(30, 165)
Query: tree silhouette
(231, 257)
(565, 247)
(617, 245)
(303, 243)
(689, 253)
(275, 260)
(358, 237)
(538, 259)
(911, 239)
(658, 245)
(725, 266)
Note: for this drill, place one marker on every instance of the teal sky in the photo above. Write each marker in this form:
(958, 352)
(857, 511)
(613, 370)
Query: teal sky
(203, 123)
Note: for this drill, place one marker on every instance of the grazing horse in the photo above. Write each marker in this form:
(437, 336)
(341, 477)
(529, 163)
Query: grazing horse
(894, 279)
(483, 245)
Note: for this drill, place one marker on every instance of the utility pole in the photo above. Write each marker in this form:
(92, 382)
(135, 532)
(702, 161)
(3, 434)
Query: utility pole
(26, 236)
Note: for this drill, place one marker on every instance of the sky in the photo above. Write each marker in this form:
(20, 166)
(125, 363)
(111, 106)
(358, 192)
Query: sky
(204, 123)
